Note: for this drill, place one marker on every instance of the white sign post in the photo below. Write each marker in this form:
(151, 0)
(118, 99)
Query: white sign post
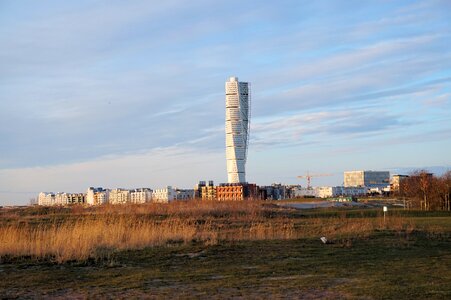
(385, 209)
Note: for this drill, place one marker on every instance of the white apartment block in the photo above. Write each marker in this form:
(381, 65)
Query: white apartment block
(164, 195)
(119, 196)
(46, 199)
(61, 199)
(336, 191)
(97, 196)
(142, 195)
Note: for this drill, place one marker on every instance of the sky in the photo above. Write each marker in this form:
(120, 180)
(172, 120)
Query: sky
(131, 93)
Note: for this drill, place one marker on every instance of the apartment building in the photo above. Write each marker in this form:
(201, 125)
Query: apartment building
(46, 199)
(97, 196)
(142, 195)
(119, 196)
(237, 191)
(164, 195)
(184, 194)
(336, 191)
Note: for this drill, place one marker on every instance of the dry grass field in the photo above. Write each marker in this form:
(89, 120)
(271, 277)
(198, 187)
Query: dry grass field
(79, 234)
(174, 246)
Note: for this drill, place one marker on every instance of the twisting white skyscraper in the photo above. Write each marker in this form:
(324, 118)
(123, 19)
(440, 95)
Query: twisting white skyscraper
(237, 128)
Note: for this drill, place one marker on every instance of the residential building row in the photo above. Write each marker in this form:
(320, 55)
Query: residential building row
(99, 196)
(356, 183)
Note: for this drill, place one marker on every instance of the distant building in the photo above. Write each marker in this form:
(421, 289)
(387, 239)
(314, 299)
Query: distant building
(236, 128)
(337, 191)
(300, 192)
(198, 189)
(276, 191)
(61, 199)
(164, 195)
(49, 199)
(97, 196)
(208, 191)
(366, 178)
(142, 195)
(184, 194)
(205, 191)
(119, 196)
(237, 191)
(76, 198)
(69, 198)
(396, 181)
(46, 199)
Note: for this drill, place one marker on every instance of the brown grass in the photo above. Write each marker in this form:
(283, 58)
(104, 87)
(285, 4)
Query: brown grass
(83, 233)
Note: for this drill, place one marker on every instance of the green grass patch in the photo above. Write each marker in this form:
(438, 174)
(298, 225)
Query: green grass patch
(384, 265)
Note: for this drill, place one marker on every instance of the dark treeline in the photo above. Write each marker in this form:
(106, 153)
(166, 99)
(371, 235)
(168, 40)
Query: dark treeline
(424, 191)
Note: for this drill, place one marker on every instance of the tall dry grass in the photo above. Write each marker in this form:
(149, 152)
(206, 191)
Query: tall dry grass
(80, 234)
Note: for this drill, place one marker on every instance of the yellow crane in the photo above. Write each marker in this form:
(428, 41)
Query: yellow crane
(310, 176)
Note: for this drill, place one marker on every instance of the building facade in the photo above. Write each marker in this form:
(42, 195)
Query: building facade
(237, 191)
(396, 182)
(276, 191)
(230, 192)
(337, 191)
(164, 195)
(208, 192)
(300, 192)
(46, 199)
(366, 178)
(139, 196)
(97, 196)
(119, 196)
(184, 194)
(205, 191)
(237, 128)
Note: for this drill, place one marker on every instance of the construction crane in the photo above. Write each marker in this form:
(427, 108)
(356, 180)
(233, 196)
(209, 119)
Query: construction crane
(310, 176)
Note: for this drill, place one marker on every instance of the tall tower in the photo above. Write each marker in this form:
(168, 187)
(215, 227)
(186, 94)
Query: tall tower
(237, 128)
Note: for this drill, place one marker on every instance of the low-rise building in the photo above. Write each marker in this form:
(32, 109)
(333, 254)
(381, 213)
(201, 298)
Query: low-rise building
(237, 191)
(142, 195)
(337, 191)
(300, 192)
(97, 196)
(184, 194)
(208, 191)
(276, 191)
(230, 192)
(198, 189)
(76, 198)
(46, 199)
(49, 199)
(119, 196)
(164, 195)
(61, 199)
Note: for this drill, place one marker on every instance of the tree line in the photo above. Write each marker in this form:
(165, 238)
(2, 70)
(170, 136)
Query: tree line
(425, 191)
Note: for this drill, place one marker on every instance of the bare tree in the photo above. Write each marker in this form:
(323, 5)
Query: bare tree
(427, 192)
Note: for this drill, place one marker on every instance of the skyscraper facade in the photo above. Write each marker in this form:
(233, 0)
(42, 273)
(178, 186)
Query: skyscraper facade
(237, 128)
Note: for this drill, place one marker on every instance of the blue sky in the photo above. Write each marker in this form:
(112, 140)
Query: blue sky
(131, 93)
